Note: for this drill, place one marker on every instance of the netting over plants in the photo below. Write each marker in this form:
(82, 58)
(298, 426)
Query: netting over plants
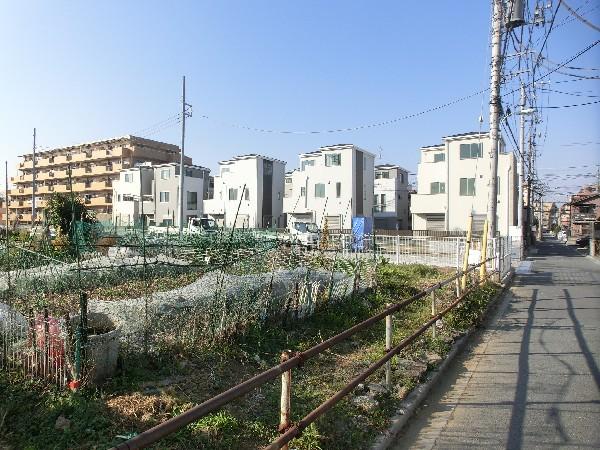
(159, 291)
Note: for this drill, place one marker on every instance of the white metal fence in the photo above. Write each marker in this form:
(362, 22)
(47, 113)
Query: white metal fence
(432, 251)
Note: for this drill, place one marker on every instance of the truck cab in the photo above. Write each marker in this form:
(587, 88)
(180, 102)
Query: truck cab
(202, 225)
(305, 233)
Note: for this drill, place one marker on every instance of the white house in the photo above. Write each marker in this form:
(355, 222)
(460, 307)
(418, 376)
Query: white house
(391, 197)
(158, 185)
(334, 182)
(252, 183)
(453, 183)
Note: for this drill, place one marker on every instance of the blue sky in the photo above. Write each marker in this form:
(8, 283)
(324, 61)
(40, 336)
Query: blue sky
(82, 71)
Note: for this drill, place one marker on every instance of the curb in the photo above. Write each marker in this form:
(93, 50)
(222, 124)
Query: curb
(414, 399)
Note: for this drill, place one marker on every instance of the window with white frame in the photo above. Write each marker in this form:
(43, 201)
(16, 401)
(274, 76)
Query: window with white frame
(319, 190)
(306, 163)
(164, 196)
(437, 187)
(467, 186)
(439, 157)
(473, 150)
(338, 189)
(333, 159)
(232, 194)
(165, 174)
(302, 191)
(128, 178)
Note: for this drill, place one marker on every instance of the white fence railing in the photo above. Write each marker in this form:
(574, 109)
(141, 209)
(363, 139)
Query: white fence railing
(432, 251)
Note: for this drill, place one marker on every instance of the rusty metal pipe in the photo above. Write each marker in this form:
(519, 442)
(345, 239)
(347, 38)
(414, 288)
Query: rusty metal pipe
(174, 424)
(332, 401)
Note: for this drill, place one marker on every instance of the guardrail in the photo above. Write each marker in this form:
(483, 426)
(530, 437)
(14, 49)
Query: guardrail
(293, 360)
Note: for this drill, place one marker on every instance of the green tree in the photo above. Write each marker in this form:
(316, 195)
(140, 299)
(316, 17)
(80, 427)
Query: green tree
(60, 209)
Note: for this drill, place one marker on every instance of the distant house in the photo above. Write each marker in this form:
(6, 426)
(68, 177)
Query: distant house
(391, 197)
(158, 187)
(248, 193)
(334, 183)
(453, 183)
(584, 211)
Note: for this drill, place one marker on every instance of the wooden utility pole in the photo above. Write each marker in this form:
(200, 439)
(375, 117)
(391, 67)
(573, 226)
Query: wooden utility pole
(495, 109)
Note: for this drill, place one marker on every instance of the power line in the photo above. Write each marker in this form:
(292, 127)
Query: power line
(580, 18)
(568, 106)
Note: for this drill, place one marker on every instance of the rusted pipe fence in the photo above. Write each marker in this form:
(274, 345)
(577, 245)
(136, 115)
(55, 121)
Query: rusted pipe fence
(174, 424)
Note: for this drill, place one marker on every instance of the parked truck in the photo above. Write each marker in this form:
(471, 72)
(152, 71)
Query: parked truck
(196, 225)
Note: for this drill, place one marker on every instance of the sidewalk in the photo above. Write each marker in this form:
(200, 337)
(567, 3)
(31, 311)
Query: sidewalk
(531, 379)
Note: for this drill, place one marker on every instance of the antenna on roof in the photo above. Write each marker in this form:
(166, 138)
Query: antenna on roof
(380, 150)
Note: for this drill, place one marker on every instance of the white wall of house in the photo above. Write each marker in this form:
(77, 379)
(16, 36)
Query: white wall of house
(327, 184)
(442, 203)
(245, 181)
(391, 197)
(160, 193)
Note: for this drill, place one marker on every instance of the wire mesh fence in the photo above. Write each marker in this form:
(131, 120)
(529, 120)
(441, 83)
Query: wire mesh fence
(69, 305)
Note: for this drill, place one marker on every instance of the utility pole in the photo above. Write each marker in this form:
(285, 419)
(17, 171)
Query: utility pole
(33, 183)
(180, 201)
(521, 223)
(495, 107)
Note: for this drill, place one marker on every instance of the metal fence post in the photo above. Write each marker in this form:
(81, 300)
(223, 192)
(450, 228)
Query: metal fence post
(466, 257)
(286, 396)
(433, 314)
(397, 249)
(484, 244)
(388, 347)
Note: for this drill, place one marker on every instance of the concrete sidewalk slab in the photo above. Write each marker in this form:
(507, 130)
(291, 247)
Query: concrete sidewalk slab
(531, 380)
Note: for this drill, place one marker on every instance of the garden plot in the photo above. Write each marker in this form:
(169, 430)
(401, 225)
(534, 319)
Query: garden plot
(219, 304)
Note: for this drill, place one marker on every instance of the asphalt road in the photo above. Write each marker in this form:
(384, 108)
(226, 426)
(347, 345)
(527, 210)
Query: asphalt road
(531, 379)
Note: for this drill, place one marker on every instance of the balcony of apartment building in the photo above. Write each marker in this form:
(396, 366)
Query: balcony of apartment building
(296, 204)
(428, 203)
(27, 164)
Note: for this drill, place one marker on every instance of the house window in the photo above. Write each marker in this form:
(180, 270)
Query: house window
(128, 178)
(438, 187)
(468, 151)
(247, 194)
(288, 180)
(338, 189)
(88, 183)
(164, 196)
(307, 162)
(279, 196)
(319, 190)
(384, 174)
(192, 200)
(382, 203)
(224, 170)
(467, 186)
(333, 159)
(302, 191)
(165, 174)
(232, 194)
(402, 178)
(439, 157)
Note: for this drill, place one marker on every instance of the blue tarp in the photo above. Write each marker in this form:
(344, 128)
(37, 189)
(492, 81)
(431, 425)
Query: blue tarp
(360, 227)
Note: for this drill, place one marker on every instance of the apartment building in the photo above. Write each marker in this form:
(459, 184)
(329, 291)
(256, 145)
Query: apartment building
(93, 167)
(453, 183)
(250, 187)
(391, 198)
(335, 182)
(549, 215)
(149, 194)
